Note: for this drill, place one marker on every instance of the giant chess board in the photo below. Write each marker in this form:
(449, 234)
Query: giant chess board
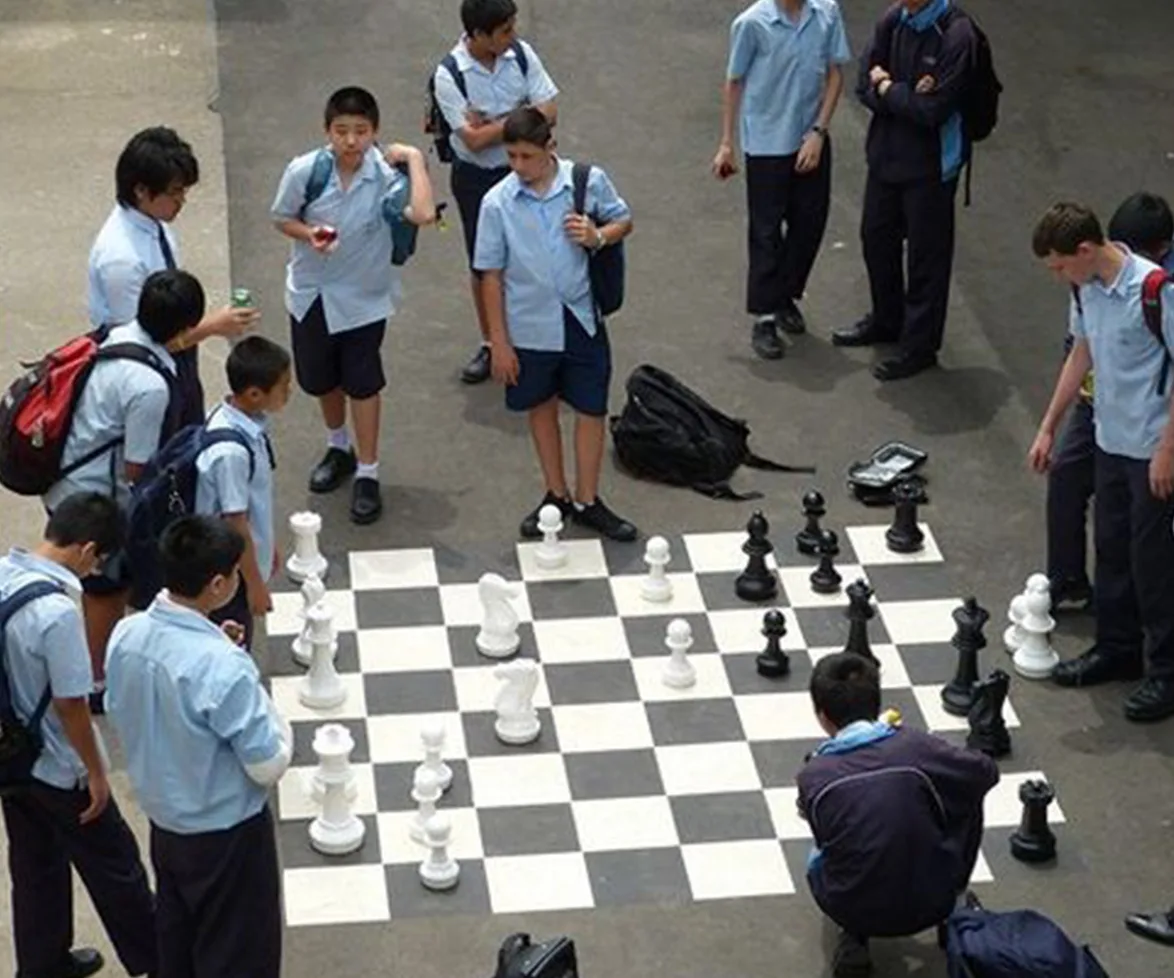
(635, 792)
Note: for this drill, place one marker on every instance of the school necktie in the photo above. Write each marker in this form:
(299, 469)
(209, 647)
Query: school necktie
(165, 247)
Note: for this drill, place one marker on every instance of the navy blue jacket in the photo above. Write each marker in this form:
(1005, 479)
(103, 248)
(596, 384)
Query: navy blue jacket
(915, 137)
(898, 822)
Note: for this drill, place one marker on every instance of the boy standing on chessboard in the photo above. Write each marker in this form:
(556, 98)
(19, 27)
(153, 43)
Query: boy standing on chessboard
(341, 285)
(204, 746)
(892, 810)
(235, 482)
(547, 343)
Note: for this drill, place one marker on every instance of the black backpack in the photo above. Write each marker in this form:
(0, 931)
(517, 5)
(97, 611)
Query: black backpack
(668, 433)
(607, 267)
(980, 107)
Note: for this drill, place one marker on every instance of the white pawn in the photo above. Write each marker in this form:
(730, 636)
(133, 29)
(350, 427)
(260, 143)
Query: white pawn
(321, 688)
(1040, 583)
(433, 738)
(517, 720)
(306, 558)
(337, 830)
(439, 871)
(498, 635)
(678, 672)
(1013, 635)
(551, 553)
(656, 586)
(1035, 658)
(425, 793)
(313, 592)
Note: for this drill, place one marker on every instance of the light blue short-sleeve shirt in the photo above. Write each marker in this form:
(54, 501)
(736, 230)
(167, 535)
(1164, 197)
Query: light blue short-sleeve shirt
(223, 485)
(1131, 413)
(123, 404)
(494, 92)
(356, 280)
(191, 712)
(521, 234)
(783, 66)
(45, 647)
(125, 253)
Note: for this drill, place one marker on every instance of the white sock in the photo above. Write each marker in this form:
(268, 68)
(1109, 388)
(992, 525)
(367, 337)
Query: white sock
(764, 319)
(338, 438)
(367, 471)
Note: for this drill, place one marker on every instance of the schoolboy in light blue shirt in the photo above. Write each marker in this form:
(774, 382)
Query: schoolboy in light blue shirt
(154, 172)
(235, 482)
(66, 818)
(340, 285)
(125, 412)
(500, 72)
(784, 79)
(548, 344)
(204, 746)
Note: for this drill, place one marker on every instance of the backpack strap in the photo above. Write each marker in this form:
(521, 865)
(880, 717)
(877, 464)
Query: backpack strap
(221, 436)
(758, 462)
(449, 64)
(1151, 312)
(520, 53)
(318, 180)
(580, 173)
(10, 606)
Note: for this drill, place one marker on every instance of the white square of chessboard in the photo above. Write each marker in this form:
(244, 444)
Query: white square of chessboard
(284, 690)
(585, 558)
(1002, 807)
(797, 586)
(868, 543)
(395, 737)
(784, 814)
(712, 680)
(778, 716)
(726, 870)
(622, 824)
(686, 599)
(587, 727)
(477, 689)
(719, 553)
(740, 630)
(929, 699)
(386, 570)
(404, 649)
(460, 605)
(295, 801)
(286, 618)
(564, 640)
(321, 895)
(982, 870)
(893, 674)
(396, 845)
(704, 769)
(518, 780)
(919, 622)
(529, 884)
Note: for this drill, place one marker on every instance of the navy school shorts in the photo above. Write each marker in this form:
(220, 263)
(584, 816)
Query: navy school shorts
(580, 374)
(323, 361)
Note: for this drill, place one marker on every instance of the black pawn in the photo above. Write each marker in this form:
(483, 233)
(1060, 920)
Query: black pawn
(1033, 841)
(807, 539)
(859, 613)
(988, 729)
(756, 582)
(958, 694)
(825, 579)
(773, 662)
(905, 536)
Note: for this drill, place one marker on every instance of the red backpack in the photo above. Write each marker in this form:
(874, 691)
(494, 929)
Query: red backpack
(36, 412)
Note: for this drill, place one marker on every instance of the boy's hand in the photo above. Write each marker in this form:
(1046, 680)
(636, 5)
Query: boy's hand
(234, 631)
(323, 239)
(926, 84)
(1040, 455)
(810, 153)
(724, 165)
(99, 789)
(878, 75)
(1162, 473)
(582, 230)
(401, 153)
(503, 363)
(260, 600)
(233, 321)
(476, 119)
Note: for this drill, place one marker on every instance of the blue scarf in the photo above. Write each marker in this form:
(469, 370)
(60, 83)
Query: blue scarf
(856, 735)
(927, 16)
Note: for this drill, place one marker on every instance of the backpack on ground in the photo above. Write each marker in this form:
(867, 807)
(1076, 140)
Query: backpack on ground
(1151, 313)
(435, 124)
(165, 492)
(36, 412)
(983, 944)
(606, 267)
(668, 433)
(20, 741)
(404, 234)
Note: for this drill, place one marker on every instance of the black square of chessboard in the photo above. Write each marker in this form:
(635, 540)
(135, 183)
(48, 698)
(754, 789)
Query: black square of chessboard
(462, 643)
(646, 634)
(627, 558)
(613, 774)
(293, 840)
(742, 672)
(303, 742)
(528, 830)
(393, 786)
(777, 761)
(828, 627)
(410, 692)
(466, 566)
(931, 663)
(407, 897)
(722, 817)
(694, 721)
(583, 598)
(397, 607)
(481, 741)
(717, 590)
(281, 662)
(591, 682)
(642, 877)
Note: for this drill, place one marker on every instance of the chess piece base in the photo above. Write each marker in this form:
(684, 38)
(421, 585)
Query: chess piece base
(771, 667)
(904, 543)
(1034, 667)
(756, 588)
(679, 678)
(957, 701)
(994, 743)
(825, 584)
(549, 558)
(496, 647)
(517, 732)
(658, 593)
(303, 652)
(443, 877)
(337, 840)
(322, 699)
(1041, 849)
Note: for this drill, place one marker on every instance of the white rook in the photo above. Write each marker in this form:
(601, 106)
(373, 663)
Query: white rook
(337, 830)
(306, 558)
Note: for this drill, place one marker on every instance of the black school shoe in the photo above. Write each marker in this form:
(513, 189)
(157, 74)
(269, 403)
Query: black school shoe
(366, 501)
(603, 521)
(790, 320)
(851, 958)
(334, 469)
(904, 365)
(765, 342)
(1094, 668)
(529, 528)
(1153, 700)
(82, 963)
(1152, 926)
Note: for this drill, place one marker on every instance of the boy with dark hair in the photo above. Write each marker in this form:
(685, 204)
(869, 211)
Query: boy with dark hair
(340, 285)
(1134, 483)
(66, 816)
(235, 482)
(1144, 224)
(489, 73)
(548, 343)
(184, 698)
(126, 410)
(153, 174)
(896, 815)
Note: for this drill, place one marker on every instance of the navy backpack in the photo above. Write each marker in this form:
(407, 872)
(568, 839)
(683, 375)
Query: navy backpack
(606, 267)
(983, 944)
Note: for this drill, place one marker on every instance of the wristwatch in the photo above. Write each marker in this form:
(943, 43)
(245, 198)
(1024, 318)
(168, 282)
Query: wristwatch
(600, 240)
(820, 131)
